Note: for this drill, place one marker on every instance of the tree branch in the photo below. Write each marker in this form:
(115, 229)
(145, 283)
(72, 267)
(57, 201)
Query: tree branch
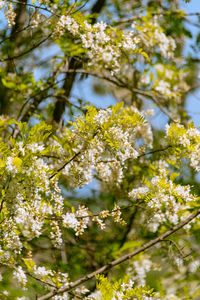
(70, 160)
(121, 259)
(28, 50)
(79, 152)
(63, 166)
(125, 85)
(161, 13)
(155, 151)
(176, 246)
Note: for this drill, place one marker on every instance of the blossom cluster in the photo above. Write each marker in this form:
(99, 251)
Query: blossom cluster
(81, 219)
(104, 45)
(9, 13)
(113, 141)
(41, 273)
(32, 198)
(169, 81)
(168, 201)
(188, 139)
(153, 36)
(141, 268)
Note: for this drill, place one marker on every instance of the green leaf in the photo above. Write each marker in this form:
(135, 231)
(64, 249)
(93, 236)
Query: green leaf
(29, 263)
(8, 84)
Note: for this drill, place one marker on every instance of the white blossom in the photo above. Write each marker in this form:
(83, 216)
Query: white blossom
(70, 220)
(19, 274)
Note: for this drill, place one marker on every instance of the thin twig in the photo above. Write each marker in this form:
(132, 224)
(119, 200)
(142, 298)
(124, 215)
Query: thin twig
(155, 151)
(82, 6)
(131, 19)
(65, 164)
(27, 51)
(176, 246)
(118, 82)
(67, 99)
(35, 6)
(100, 214)
(78, 153)
(40, 280)
(70, 160)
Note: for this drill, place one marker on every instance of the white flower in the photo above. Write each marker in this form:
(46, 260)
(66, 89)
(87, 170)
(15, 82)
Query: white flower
(173, 218)
(178, 261)
(10, 15)
(172, 297)
(97, 295)
(163, 87)
(128, 43)
(35, 147)
(107, 57)
(20, 276)
(61, 297)
(100, 26)
(193, 266)
(87, 39)
(69, 23)
(9, 165)
(140, 192)
(20, 145)
(141, 268)
(145, 79)
(66, 23)
(41, 271)
(69, 220)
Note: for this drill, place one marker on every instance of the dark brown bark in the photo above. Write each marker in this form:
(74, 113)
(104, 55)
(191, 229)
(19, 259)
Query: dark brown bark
(15, 37)
(73, 64)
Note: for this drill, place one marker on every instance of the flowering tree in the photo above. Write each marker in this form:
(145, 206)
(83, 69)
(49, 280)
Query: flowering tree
(136, 234)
